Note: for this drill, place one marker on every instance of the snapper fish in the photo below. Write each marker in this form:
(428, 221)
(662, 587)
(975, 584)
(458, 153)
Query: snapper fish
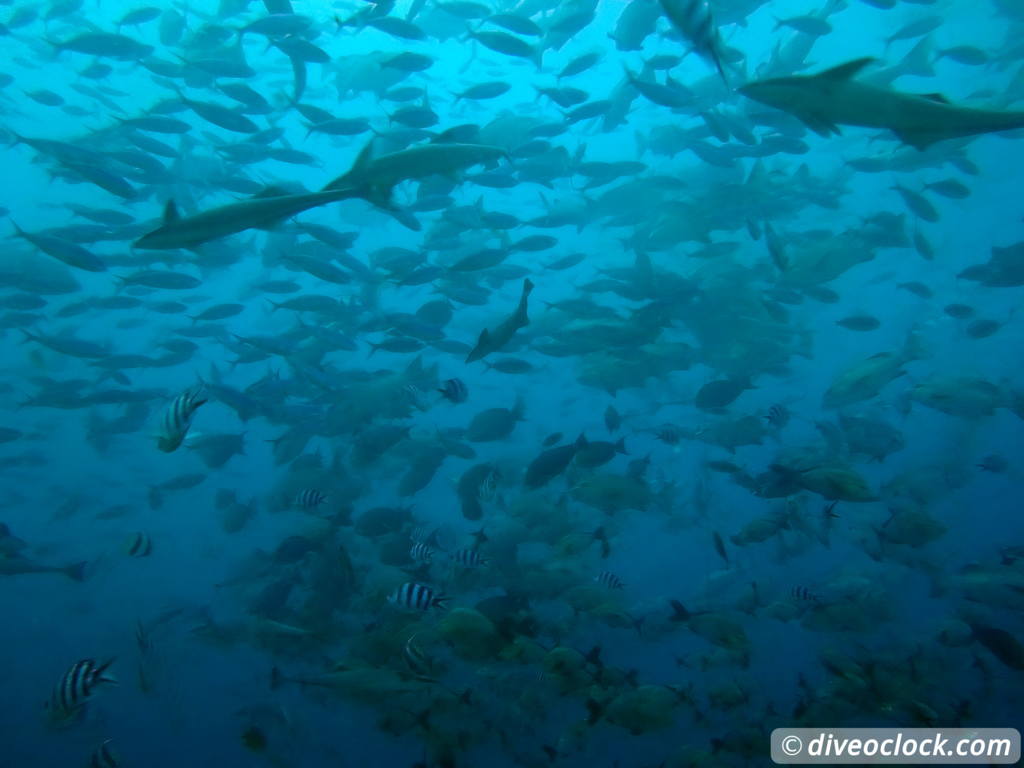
(177, 419)
(76, 687)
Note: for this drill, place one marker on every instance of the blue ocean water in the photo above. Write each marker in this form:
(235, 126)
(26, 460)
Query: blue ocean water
(802, 328)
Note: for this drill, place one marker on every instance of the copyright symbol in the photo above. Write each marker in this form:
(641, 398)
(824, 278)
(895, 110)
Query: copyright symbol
(791, 746)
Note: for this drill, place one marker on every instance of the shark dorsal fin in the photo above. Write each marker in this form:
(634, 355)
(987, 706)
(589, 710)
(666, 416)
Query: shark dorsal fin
(171, 214)
(847, 70)
(363, 159)
(936, 97)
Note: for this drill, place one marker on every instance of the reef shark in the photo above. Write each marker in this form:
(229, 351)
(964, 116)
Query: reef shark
(493, 340)
(265, 210)
(832, 98)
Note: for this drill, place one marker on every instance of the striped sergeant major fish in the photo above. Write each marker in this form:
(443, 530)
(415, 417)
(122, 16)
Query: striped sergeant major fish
(103, 757)
(778, 416)
(177, 419)
(309, 498)
(415, 659)
(76, 688)
(454, 390)
(139, 545)
(469, 558)
(610, 580)
(694, 21)
(416, 398)
(423, 534)
(800, 592)
(489, 487)
(421, 552)
(417, 597)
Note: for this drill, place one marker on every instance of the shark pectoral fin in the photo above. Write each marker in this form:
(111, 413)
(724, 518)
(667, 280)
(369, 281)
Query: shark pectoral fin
(819, 125)
(171, 212)
(936, 97)
(405, 218)
(918, 139)
(847, 70)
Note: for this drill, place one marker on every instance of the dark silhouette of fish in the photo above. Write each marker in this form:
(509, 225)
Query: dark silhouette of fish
(834, 97)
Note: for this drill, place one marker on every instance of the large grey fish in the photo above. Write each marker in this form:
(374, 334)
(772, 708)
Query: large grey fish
(492, 341)
(15, 566)
(384, 171)
(694, 21)
(261, 211)
(832, 98)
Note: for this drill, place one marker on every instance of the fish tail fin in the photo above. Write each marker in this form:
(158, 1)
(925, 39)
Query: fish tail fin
(441, 601)
(519, 408)
(679, 612)
(595, 710)
(641, 143)
(76, 572)
(620, 446)
(103, 674)
(915, 348)
(721, 72)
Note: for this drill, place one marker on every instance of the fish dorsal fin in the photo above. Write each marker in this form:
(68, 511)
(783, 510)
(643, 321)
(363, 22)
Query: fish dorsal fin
(847, 70)
(171, 214)
(936, 97)
(363, 159)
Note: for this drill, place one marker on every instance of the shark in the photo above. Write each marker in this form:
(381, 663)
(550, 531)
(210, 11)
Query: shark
(263, 211)
(835, 97)
(14, 566)
(414, 163)
(493, 340)
(266, 209)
